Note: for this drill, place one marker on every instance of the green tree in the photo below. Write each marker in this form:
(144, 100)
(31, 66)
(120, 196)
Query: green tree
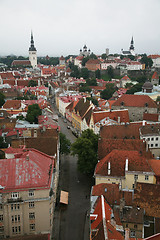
(84, 73)
(75, 71)
(84, 60)
(65, 144)
(2, 101)
(2, 143)
(110, 72)
(32, 83)
(91, 82)
(85, 89)
(136, 88)
(93, 56)
(104, 56)
(147, 61)
(33, 112)
(86, 148)
(94, 100)
(158, 99)
(108, 92)
(98, 74)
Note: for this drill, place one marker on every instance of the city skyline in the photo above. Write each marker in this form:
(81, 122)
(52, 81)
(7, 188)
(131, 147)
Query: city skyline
(62, 28)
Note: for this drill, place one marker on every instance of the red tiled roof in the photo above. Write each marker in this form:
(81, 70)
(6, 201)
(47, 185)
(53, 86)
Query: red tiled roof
(135, 101)
(151, 117)
(155, 76)
(153, 237)
(147, 196)
(105, 146)
(21, 62)
(7, 75)
(93, 61)
(109, 191)
(29, 170)
(117, 159)
(128, 131)
(155, 165)
(154, 56)
(126, 78)
(15, 104)
(115, 115)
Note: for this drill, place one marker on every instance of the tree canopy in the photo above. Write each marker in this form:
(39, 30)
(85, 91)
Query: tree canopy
(108, 92)
(33, 112)
(86, 148)
(65, 144)
(147, 61)
(136, 88)
(2, 101)
(32, 83)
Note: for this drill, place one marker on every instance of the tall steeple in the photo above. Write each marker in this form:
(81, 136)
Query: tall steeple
(33, 53)
(32, 47)
(132, 45)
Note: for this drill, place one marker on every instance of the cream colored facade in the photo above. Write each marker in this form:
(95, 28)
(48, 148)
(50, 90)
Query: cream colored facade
(26, 212)
(129, 180)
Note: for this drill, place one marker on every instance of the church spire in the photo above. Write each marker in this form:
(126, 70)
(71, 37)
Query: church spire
(132, 44)
(32, 47)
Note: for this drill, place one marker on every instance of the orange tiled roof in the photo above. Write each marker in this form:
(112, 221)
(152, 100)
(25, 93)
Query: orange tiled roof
(117, 159)
(135, 101)
(155, 76)
(126, 78)
(154, 56)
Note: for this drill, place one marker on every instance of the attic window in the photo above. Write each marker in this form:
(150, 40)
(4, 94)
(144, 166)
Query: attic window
(146, 104)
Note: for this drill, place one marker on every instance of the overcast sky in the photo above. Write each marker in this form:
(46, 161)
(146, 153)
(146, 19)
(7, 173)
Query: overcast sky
(62, 27)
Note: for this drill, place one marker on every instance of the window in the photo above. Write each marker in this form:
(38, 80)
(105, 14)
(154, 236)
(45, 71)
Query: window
(31, 204)
(1, 229)
(133, 234)
(16, 230)
(32, 227)
(133, 186)
(1, 207)
(32, 215)
(135, 177)
(1, 218)
(14, 195)
(135, 226)
(156, 145)
(15, 218)
(152, 139)
(31, 193)
(127, 225)
(148, 139)
(146, 177)
(156, 138)
(15, 206)
(151, 145)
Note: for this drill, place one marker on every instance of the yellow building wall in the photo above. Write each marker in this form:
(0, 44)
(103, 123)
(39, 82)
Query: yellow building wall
(128, 181)
(76, 121)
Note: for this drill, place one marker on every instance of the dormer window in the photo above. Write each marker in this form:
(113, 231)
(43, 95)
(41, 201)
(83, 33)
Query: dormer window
(15, 195)
(146, 104)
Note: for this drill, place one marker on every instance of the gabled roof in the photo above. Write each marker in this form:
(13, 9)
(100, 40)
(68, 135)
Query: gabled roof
(82, 107)
(93, 61)
(155, 76)
(117, 159)
(154, 56)
(30, 169)
(126, 78)
(87, 116)
(121, 115)
(127, 100)
(101, 227)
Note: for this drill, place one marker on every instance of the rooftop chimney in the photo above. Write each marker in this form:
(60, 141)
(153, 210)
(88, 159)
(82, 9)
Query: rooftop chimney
(126, 165)
(109, 168)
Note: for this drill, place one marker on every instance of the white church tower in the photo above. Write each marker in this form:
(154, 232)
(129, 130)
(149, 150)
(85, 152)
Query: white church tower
(33, 53)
